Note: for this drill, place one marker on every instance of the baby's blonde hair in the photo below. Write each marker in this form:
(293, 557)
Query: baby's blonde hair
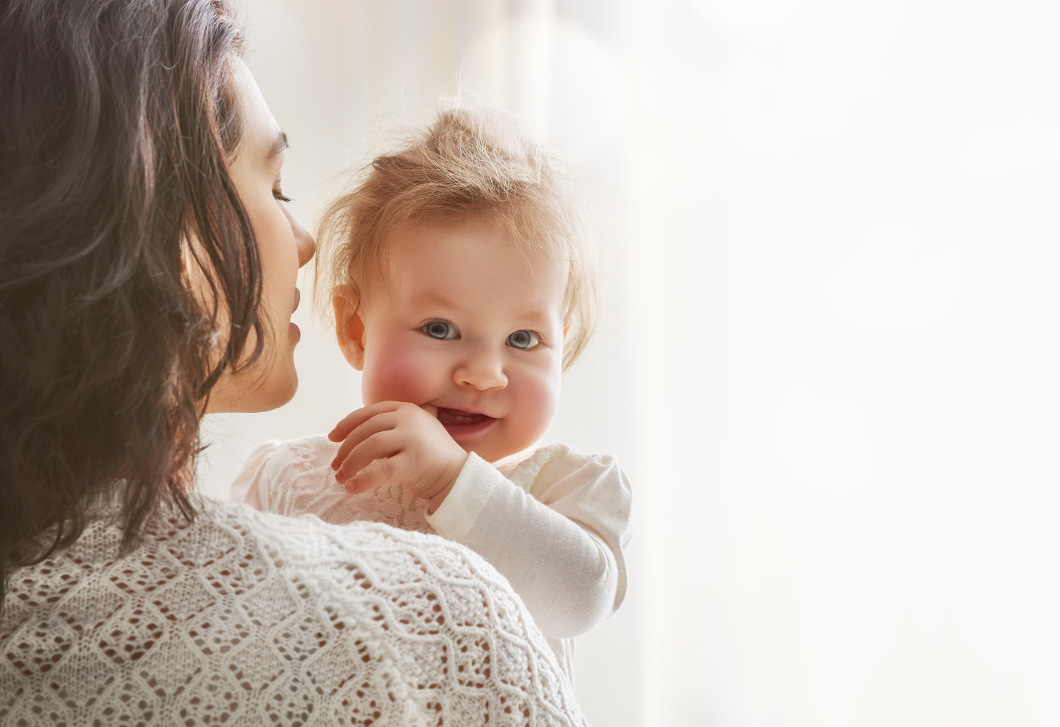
(470, 161)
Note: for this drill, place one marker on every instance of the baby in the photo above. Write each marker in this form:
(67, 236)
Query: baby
(463, 284)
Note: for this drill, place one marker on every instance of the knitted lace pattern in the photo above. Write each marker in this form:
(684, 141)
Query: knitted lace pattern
(301, 481)
(245, 618)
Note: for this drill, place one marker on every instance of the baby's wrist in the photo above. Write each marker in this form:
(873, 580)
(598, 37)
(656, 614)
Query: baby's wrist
(449, 478)
(436, 500)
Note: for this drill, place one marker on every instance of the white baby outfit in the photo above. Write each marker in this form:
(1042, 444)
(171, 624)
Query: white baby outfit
(245, 618)
(554, 524)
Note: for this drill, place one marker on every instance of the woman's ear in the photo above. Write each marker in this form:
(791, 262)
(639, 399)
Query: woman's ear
(349, 326)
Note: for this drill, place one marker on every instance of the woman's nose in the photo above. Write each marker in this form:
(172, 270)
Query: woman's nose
(303, 241)
(307, 246)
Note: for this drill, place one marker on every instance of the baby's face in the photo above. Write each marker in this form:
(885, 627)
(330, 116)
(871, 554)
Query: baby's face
(470, 327)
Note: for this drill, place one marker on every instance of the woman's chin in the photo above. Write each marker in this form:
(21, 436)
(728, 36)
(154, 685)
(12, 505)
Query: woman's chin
(247, 393)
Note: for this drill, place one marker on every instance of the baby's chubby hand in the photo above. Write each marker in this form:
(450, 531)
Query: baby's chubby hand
(395, 441)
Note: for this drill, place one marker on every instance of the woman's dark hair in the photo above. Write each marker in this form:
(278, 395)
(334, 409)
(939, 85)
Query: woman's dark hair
(116, 121)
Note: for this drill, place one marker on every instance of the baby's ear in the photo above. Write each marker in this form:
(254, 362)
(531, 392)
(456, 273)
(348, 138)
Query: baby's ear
(349, 326)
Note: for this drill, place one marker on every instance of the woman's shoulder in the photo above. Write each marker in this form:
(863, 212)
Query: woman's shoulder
(308, 543)
(254, 615)
(236, 547)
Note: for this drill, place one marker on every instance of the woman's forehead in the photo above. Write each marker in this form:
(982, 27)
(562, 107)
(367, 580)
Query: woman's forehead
(262, 138)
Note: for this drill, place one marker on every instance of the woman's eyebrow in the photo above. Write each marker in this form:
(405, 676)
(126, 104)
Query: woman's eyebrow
(280, 144)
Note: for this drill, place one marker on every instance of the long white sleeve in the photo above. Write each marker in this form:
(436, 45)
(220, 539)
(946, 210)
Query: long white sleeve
(556, 530)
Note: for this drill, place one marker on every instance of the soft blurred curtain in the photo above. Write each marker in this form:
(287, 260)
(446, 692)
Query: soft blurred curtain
(830, 347)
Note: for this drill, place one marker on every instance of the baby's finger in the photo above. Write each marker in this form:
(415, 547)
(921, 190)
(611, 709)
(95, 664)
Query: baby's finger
(379, 445)
(378, 423)
(357, 418)
(378, 473)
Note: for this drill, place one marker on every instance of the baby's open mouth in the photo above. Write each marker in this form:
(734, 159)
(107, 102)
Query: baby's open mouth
(461, 424)
(456, 417)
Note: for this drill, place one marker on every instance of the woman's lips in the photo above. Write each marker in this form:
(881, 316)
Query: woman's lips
(294, 331)
(461, 423)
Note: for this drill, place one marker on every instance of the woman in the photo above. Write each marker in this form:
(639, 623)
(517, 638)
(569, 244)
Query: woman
(147, 275)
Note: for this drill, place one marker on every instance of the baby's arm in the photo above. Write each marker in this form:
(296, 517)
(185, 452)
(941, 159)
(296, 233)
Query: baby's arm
(557, 532)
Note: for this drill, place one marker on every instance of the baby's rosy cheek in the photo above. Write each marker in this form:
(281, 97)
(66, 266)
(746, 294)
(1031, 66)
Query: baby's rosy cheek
(396, 374)
(537, 401)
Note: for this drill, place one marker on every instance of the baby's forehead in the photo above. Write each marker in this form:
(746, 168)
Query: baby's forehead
(427, 264)
(472, 239)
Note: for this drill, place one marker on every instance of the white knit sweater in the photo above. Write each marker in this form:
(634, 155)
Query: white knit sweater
(244, 618)
(555, 524)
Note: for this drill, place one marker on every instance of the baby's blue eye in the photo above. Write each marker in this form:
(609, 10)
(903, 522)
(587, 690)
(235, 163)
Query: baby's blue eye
(523, 339)
(440, 330)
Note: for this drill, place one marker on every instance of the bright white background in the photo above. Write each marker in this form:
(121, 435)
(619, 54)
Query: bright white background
(831, 346)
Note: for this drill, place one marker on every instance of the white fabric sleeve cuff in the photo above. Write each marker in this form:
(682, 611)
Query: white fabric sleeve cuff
(462, 507)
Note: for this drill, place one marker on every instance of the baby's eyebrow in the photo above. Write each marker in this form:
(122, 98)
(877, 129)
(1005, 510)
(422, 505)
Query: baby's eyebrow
(432, 298)
(535, 317)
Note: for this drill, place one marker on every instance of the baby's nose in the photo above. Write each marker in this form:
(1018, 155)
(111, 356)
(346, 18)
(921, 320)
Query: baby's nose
(481, 373)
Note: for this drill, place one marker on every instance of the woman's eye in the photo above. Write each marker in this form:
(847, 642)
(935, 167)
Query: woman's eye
(280, 196)
(523, 339)
(440, 330)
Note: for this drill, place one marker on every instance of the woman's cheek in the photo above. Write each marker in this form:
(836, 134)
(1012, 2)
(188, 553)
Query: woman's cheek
(396, 373)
